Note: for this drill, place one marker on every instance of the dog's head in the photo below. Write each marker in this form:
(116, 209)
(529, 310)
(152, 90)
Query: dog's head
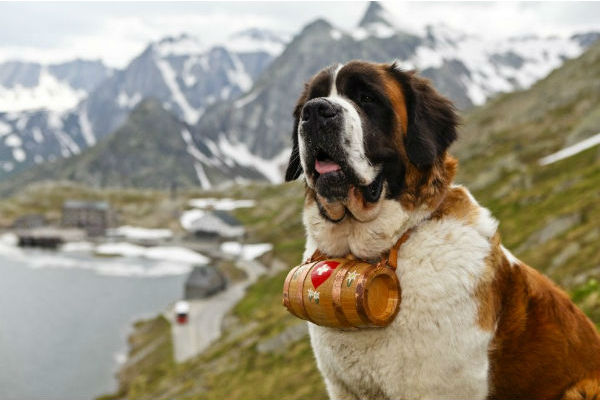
(366, 132)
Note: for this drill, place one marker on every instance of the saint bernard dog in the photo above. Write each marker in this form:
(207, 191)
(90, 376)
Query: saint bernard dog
(371, 141)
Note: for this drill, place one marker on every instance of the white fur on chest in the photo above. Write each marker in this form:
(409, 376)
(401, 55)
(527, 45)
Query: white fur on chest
(434, 348)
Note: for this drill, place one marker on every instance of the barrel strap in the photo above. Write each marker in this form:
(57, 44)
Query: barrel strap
(318, 255)
(392, 258)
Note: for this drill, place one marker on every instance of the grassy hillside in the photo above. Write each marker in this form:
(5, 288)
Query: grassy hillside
(147, 208)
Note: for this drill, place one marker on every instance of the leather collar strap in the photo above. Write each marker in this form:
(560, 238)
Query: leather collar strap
(390, 259)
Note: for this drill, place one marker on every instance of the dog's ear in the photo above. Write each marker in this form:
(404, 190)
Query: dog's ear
(294, 168)
(432, 120)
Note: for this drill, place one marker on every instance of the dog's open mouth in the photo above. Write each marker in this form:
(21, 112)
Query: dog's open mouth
(334, 184)
(330, 180)
(338, 195)
(324, 164)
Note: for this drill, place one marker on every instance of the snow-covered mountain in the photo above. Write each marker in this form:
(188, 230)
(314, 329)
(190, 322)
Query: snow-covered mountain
(235, 98)
(466, 68)
(36, 123)
(63, 115)
(57, 87)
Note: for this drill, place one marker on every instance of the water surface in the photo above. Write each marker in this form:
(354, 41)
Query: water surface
(64, 318)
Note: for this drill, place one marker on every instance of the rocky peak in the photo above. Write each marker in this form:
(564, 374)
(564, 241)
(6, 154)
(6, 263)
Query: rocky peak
(375, 14)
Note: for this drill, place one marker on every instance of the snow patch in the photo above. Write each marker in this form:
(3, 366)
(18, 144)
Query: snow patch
(220, 204)
(202, 178)
(169, 77)
(246, 251)
(528, 59)
(86, 128)
(188, 218)
(5, 129)
(335, 34)
(241, 102)
(179, 46)
(19, 154)
(165, 253)
(254, 42)
(238, 75)
(13, 140)
(271, 169)
(126, 101)
(381, 30)
(67, 144)
(7, 166)
(50, 93)
(37, 135)
(137, 233)
(571, 150)
(146, 263)
(54, 121)
(9, 239)
(77, 247)
(194, 151)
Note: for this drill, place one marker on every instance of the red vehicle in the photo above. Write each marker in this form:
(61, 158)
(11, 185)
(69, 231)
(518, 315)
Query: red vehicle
(182, 311)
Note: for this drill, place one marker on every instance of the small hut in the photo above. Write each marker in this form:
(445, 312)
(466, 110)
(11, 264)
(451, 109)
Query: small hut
(216, 225)
(204, 281)
(30, 221)
(94, 217)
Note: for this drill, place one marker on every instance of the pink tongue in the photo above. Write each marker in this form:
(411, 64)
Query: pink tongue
(324, 167)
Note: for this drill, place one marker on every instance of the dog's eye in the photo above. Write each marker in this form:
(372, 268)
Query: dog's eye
(365, 98)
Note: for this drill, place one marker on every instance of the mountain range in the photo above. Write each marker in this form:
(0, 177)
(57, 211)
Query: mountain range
(235, 99)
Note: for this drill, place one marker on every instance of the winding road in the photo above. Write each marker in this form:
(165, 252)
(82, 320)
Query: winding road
(206, 315)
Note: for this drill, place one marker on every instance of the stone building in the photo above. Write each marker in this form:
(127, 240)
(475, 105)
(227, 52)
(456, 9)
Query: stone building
(93, 217)
(204, 281)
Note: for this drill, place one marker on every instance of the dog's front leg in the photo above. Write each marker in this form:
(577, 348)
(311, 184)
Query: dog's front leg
(338, 390)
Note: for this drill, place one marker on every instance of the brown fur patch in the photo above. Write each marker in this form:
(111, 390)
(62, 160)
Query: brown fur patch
(457, 204)
(396, 95)
(487, 295)
(587, 389)
(543, 342)
(429, 186)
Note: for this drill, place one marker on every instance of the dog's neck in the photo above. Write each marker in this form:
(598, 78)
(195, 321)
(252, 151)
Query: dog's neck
(365, 240)
(425, 192)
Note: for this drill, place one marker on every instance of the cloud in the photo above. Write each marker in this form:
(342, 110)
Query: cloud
(117, 39)
(117, 32)
(499, 19)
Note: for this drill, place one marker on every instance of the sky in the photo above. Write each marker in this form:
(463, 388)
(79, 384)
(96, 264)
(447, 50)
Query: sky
(116, 32)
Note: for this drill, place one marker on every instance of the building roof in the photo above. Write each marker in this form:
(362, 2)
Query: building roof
(227, 218)
(218, 222)
(78, 204)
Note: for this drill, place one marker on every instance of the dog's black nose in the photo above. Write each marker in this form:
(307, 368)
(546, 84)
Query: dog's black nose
(318, 109)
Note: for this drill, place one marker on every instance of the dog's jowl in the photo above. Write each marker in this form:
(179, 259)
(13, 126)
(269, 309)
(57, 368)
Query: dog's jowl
(371, 141)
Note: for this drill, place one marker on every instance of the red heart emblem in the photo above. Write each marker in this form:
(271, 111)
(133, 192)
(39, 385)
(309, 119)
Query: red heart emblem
(322, 271)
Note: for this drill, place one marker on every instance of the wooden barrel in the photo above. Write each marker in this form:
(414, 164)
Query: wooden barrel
(342, 293)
